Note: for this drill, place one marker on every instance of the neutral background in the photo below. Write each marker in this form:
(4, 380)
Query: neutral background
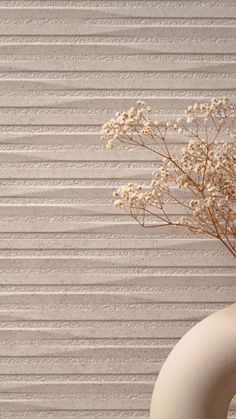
(90, 305)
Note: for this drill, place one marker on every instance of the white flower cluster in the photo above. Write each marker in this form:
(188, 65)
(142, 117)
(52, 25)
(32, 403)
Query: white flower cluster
(128, 194)
(205, 169)
(217, 108)
(133, 196)
(122, 124)
(130, 126)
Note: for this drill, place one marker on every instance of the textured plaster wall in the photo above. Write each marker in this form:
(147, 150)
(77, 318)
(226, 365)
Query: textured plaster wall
(90, 305)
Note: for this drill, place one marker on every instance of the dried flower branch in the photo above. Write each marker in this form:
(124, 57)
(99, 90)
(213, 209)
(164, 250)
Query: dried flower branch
(200, 181)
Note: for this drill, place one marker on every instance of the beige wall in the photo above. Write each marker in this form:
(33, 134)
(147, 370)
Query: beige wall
(90, 304)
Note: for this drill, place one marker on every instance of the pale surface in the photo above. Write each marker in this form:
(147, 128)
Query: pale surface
(91, 305)
(198, 379)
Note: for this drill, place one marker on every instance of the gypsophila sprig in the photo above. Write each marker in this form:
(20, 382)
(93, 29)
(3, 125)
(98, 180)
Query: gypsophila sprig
(198, 181)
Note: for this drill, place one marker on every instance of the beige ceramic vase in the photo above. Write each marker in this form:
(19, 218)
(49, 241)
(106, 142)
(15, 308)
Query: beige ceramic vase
(198, 379)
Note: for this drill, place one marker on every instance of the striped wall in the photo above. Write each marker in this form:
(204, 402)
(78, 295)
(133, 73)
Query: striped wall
(90, 304)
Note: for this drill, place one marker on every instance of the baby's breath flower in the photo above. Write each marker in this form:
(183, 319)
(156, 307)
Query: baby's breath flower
(118, 203)
(200, 179)
(110, 145)
(190, 119)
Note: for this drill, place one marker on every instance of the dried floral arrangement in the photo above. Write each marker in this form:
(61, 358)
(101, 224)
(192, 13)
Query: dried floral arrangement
(200, 180)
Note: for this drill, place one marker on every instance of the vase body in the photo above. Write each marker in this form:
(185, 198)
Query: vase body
(198, 379)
